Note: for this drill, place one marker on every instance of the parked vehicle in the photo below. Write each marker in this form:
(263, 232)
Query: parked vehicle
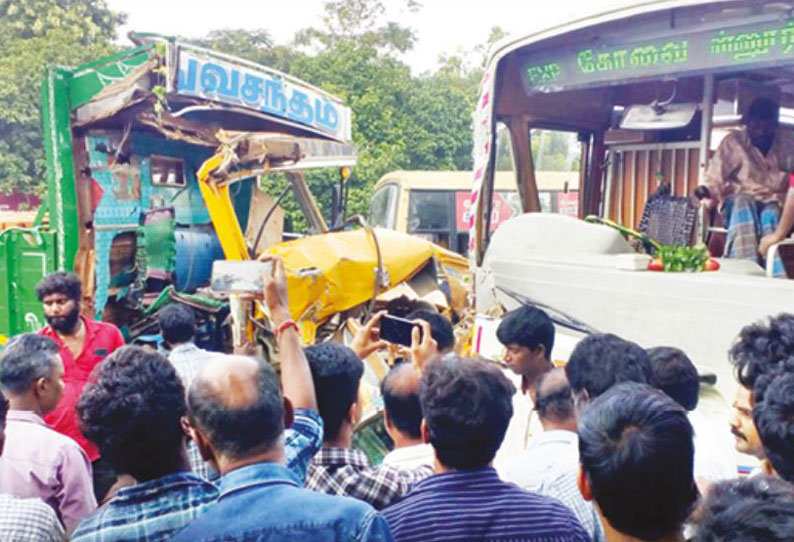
(436, 205)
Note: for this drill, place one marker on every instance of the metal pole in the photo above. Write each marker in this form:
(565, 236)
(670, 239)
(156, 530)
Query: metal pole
(707, 109)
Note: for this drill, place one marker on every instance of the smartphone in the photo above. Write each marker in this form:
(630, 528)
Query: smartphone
(397, 330)
(239, 277)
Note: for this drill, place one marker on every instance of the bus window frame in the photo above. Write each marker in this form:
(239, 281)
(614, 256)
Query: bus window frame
(450, 194)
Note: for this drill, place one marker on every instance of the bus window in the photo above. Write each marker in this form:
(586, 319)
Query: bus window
(383, 207)
(556, 156)
(429, 215)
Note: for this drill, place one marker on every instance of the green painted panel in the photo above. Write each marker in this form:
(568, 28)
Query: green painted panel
(61, 192)
(25, 257)
(87, 81)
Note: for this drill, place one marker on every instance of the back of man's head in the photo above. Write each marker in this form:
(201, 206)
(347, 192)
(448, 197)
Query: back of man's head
(676, 375)
(774, 420)
(467, 405)
(177, 323)
(27, 358)
(754, 509)
(337, 372)
(237, 403)
(132, 411)
(400, 390)
(763, 109)
(761, 346)
(553, 399)
(60, 282)
(527, 326)
(635, 446)
(440, 328)
(602, 360)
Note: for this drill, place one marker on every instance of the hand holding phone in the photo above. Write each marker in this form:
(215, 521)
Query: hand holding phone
(275, 289)
(368, 339)
(423, 346)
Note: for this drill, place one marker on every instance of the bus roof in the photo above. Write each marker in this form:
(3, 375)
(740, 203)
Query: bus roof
(461, 180)
(596, 14)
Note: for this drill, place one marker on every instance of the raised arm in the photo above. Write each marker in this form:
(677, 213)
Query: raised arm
(296, 377)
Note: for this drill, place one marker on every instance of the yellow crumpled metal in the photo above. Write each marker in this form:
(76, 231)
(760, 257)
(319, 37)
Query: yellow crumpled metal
(336, 271)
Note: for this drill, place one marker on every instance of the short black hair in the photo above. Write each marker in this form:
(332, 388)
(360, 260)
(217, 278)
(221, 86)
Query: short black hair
(60, 282)
(602, 360)
(27, 358)
(764, 380)
(131, 410)
(402, 404)
(763, 108)
(753, 509)
(440, 328)
(554, 401)
(761, 346)
(177, 323)
(635, 445)
(336, 371)
(527, 326)
(774, 420)
(467, 405)
(676, 375)
(239, 433)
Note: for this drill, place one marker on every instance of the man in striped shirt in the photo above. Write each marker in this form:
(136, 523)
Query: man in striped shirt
(467, 406)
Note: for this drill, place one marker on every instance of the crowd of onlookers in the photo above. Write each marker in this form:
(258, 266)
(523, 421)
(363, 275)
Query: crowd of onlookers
(105, 442)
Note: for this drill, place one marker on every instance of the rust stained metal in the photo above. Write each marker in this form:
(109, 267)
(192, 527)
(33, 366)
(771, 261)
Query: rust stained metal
(178, 129)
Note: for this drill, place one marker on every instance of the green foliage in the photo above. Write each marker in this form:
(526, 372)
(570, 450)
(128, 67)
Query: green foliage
(90, 21)
(34, 34)
(360, 21)
(400, 121)
(555, 151)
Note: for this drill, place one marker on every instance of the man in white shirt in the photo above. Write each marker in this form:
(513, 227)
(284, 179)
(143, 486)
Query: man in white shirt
(403, 418)
(556, 449)
(178, 327)
(676, 375)
(527, 334)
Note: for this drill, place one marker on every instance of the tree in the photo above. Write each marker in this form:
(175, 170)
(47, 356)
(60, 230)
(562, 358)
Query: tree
(34, 34)
(360, 21)
(400, 121)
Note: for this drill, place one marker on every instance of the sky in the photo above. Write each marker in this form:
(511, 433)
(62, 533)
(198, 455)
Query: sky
(443, 26)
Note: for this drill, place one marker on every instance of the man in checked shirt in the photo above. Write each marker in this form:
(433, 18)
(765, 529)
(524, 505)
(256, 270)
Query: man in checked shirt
(338, 469)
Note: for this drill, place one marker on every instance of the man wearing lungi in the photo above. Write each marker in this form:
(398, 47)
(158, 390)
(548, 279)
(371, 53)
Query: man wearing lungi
(748, 178)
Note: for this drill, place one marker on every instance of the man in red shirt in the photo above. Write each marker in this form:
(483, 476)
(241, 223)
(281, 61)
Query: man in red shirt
(83, 343)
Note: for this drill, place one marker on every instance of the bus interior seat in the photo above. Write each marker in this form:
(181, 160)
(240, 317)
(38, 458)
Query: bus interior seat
(669, 219)
(716, 233)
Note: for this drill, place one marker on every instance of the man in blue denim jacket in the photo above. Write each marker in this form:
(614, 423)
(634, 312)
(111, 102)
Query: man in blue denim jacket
(133, 412)
(238, 416)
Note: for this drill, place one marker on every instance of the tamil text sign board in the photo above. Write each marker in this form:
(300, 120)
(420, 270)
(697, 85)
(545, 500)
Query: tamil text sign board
(217, 78)
(768, 43)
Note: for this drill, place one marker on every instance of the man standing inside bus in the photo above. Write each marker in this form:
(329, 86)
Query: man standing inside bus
(747, 176)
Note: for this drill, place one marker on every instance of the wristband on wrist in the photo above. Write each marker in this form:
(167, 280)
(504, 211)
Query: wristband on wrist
(285, 325)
